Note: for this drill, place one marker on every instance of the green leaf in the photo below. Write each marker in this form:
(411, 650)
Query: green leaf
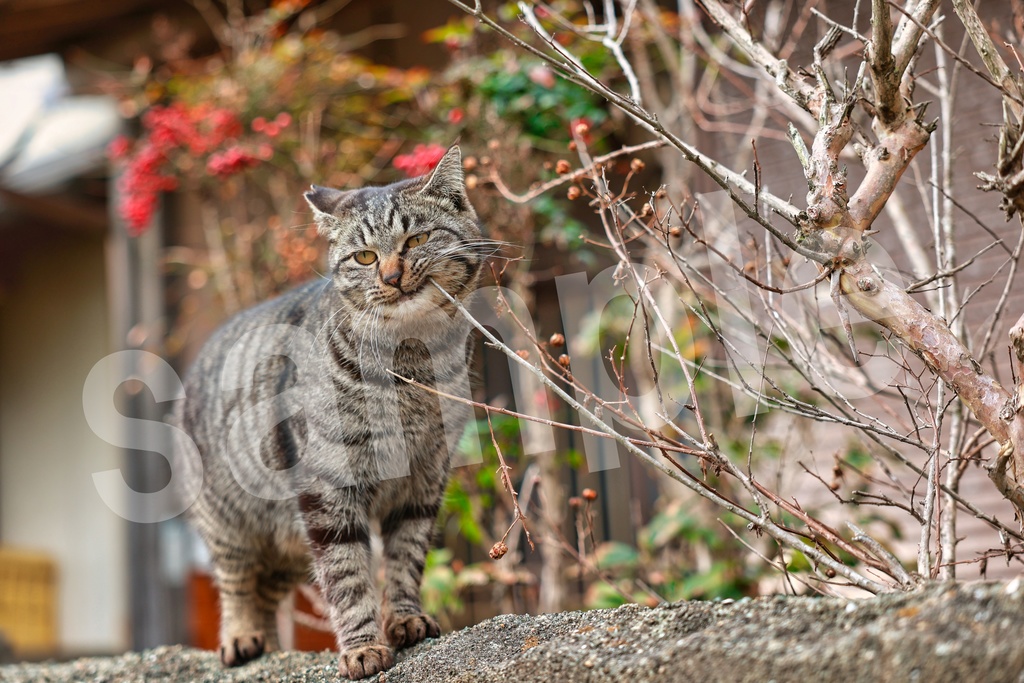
(616, 555)
(458, 504)
(798, 562)
(674, 523)
(719, 582)
(437, 557)
(663, 528)
(571, 457)
(470, 436)
(600, 595)
(473, 575)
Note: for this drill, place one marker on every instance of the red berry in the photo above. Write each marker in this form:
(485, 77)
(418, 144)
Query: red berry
(421, 160)
(118, 148)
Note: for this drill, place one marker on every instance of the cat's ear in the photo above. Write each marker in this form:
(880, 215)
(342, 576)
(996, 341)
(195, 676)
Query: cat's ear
(325, 202)
(324, 199)
(447, 181)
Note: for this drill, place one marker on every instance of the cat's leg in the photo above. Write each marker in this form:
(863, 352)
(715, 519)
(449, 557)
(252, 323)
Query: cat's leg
(237, 561)
(274, 584)
(243, 619)
(407, 531)
(339, 534)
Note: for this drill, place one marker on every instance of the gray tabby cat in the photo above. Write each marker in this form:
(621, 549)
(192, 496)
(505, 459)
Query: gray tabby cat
(302, 456)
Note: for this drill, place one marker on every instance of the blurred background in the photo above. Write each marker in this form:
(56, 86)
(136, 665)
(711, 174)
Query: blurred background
(153, 155)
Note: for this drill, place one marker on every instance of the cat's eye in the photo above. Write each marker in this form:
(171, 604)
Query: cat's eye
(417, 240)
(365, 257)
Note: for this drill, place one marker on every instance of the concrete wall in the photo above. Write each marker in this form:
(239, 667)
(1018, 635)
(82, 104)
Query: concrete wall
(53, 328)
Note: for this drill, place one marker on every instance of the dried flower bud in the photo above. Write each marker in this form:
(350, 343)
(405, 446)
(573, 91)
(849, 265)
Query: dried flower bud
(485, 161)
(575, 502)
(660, 194)
(557, 339)
(563, 360)
(636, 165)
(675, 231)
(646, 210)
(572, 145)
(830, 573)
(589, 495)
(834, 486)
(469, 163)
(493, 145)
(197, 279)
(562, 167)
(471, 182)
(573, 193)
(582, 128)
(523, 353)
(498, 550)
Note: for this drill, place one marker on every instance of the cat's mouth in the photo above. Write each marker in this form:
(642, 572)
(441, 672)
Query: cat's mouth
(406, 296)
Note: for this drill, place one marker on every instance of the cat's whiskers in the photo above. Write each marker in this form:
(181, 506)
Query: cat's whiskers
(316, 337)
(358, 328)
(325, 365)
(482, 249)
(375, 330)
(494, 245)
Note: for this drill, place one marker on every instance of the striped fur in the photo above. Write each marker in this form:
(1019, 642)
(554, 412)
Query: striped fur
(307, 446)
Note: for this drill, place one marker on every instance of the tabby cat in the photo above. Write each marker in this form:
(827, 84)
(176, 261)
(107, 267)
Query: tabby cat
(310, 442)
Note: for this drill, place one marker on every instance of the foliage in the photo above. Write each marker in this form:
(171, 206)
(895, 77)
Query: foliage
(440, 584)
(523, 91)
(664, 565)
(240, 134)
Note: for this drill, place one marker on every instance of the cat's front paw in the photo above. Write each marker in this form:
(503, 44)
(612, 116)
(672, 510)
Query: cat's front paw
(405, 630)
(360, 662)
(242, 649)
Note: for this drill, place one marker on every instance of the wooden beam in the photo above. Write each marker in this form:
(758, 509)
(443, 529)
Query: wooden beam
(71, 215)
(37, 28)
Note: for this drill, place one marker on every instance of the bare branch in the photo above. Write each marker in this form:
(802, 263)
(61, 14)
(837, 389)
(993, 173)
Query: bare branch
(761, 521)
(890, 560)
(883, 65)
(997, 68)
(788, 82)
(908, 38)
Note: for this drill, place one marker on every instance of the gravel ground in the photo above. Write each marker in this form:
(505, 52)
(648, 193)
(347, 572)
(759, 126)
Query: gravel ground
(942, 633)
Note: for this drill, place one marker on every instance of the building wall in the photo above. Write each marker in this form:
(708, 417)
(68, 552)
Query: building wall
(53, 328)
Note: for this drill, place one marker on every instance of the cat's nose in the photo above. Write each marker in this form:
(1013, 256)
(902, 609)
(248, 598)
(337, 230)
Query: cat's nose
(391, 270)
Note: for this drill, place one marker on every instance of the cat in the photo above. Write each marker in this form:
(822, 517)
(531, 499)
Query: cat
(300, 458)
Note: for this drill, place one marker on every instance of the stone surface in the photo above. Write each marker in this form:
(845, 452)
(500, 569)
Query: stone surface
(944, 632)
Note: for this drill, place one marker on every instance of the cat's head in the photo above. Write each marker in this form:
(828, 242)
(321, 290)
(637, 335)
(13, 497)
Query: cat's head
(387, 243)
